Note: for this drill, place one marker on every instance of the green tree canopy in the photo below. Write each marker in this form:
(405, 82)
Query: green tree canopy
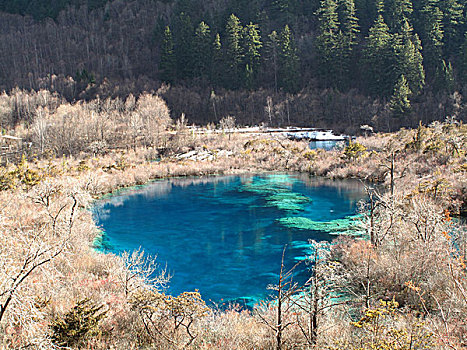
(234, 51)
(183, 44)
(380, 58)
(252, 49)
(202, 50)
(410, 59)
(327, 42)
(167, 62)
(288, 61)
(400, 103)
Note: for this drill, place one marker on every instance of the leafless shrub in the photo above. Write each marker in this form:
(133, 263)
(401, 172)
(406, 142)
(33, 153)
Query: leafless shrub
(141, 272)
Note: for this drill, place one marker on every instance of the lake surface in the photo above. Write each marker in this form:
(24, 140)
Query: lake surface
(224, 235)
(327, 145)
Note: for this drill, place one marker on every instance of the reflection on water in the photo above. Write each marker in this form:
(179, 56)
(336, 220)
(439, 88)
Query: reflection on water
(225, 235)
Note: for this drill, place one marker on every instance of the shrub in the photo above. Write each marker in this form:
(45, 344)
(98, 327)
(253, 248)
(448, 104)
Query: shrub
(354, 151)
(77, 325)
(169, 319)
(310, 155)
(20, 175)
(383, 328)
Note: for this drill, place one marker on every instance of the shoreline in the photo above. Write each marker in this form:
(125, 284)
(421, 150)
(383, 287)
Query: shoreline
(339, 226)
(428, 183)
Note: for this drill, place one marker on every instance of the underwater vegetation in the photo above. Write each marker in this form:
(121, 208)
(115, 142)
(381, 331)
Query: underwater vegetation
(346, 226)
(212, 231)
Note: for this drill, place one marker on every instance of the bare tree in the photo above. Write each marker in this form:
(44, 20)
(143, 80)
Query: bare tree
(40, 127)
(141, 271)
(155, 117)
(227, 124)
(282, 303)
(269, 108)
(34, 255)
(26, 248)
(323, 291)
(170, 319)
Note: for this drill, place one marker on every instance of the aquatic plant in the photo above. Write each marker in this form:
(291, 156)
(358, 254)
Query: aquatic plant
(288, 201)
(346, 226)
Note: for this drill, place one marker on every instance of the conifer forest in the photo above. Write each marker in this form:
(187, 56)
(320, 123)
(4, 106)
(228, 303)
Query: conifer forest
(369, 62)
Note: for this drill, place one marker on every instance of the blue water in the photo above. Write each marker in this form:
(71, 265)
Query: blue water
(326, 145)
(224, 235)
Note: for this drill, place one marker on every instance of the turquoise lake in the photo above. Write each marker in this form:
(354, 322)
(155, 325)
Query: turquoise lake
(224, 235)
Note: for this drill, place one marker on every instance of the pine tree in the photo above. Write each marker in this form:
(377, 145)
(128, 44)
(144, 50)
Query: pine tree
(366, 12)
(327, 42)
(217, 62)
(252, 47)
(400, 103)
(410, 59)
(452, 19)
(247, 10)
(288, 62)
(234, 52)
(271, 58)
(282, 11)
(263, 21)
(167, 62)
(463, 58)
(347, 41)
(444, 78)
(380, 59)
(397, 12)
(349, 21)
(431, 34)
(202, 50)
(184, 35)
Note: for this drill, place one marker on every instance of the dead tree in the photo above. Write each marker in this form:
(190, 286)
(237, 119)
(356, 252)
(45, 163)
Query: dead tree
(282, 303)
(323, 291)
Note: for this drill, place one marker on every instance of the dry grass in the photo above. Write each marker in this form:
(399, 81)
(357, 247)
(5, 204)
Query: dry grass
(429, 177)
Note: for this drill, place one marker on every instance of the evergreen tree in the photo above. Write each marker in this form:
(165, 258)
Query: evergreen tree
(463, 58)
(263, 21)
(400, 103)
(288, 62)
(380, 59)
(202, 50)
(349, 22)
(444, 78)
(431, 34)
(217, 62)
(348, 40)
(184, 35)
(252, 47)
(234, 52)
(410, 59)
(247, 10)
(327, 42)
(271, 58)
(167, 62)
(282, 11)
(397, 12)
(366, 11)
(452, 20)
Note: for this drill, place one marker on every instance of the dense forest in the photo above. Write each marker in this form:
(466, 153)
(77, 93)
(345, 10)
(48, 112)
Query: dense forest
(386, 63)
